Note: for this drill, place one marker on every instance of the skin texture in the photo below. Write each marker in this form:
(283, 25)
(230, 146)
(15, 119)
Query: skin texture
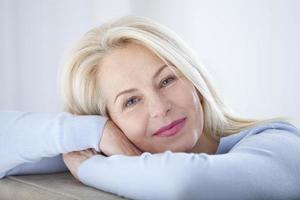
(156, 102)
(75, 158)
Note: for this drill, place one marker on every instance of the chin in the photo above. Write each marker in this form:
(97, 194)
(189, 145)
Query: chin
(184, 146)
(179, 149)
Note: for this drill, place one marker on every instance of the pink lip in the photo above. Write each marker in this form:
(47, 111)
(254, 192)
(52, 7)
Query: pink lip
(171, 129)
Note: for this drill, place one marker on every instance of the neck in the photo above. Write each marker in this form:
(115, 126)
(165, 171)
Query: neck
(206, 144)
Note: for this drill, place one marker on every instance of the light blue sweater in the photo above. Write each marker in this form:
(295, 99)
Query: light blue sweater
(259, 163)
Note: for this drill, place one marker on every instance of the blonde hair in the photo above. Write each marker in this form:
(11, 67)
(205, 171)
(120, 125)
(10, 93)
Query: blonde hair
(81, 93)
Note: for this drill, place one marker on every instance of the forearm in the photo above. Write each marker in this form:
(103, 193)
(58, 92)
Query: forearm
(27, 137)
(45, 165)
(254, 169)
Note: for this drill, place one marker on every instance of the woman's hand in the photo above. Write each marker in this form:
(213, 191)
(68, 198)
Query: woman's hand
(74, 159)
(114, 141)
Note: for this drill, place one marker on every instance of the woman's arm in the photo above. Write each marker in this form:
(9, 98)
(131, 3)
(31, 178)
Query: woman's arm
(45, 165)
(262, 166)
(28, 141)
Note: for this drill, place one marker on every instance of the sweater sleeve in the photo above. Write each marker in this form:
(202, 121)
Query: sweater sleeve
(32, 142)
(261, 166)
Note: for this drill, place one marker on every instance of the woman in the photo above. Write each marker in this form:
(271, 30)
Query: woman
(138, 95)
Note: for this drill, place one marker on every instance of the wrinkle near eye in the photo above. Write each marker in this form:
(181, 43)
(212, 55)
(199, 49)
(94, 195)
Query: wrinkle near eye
(169, 78)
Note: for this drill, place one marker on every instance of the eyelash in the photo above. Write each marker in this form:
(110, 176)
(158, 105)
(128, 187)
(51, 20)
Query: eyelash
(132, 98)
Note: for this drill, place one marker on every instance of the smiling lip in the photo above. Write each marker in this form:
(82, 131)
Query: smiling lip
(171, 129)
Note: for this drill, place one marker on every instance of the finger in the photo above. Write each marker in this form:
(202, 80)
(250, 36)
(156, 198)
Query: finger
(87, 153)
(93, 152)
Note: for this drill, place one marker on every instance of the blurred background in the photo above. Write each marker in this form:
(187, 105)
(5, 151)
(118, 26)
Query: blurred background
(251, 48)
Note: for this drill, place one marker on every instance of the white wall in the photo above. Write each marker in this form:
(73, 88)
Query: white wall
(35, 37)
(250, 47)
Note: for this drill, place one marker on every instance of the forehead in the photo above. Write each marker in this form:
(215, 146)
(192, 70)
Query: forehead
(133, 58)
(124, 68)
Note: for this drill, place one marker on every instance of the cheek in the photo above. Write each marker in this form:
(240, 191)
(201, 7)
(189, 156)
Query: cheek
(184, 96)
(133, 127)
(189, 101)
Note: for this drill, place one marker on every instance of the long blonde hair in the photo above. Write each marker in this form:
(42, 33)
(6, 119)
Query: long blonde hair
(80, 89)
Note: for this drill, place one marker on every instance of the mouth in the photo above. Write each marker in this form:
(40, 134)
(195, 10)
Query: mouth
(171, 129)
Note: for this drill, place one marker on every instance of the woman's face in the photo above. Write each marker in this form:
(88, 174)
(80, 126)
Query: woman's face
(155, 97)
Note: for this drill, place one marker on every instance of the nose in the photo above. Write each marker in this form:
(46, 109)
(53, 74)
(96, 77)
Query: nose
(159, 105)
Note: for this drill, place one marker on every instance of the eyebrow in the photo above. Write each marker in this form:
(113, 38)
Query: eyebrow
(134, 89)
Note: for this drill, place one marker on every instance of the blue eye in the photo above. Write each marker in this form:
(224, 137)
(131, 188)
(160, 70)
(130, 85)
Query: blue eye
(133, 100)
(130, 102)
(167, 80)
